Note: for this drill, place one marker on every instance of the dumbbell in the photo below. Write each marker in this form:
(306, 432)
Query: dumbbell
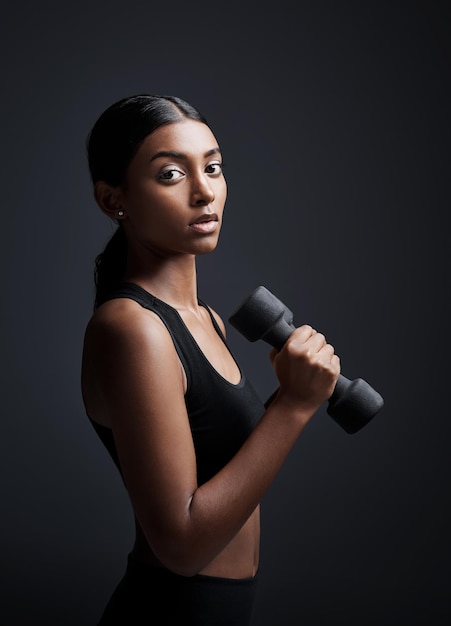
(263, 316)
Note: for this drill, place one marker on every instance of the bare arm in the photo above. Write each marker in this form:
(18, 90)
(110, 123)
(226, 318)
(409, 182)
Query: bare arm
(142, 389)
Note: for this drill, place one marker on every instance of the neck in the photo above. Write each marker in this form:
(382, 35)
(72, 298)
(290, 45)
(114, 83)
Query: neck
(173, 280)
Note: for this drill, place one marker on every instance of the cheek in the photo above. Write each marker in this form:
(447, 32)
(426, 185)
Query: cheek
(141, 198)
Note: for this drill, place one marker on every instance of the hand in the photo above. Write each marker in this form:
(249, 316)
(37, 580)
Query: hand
(307, 368)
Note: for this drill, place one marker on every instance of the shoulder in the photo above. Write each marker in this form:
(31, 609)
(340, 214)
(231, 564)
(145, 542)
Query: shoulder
(122, 324)
(128, 356)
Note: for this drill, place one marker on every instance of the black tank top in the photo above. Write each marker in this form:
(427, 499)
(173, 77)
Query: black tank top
(221, 414)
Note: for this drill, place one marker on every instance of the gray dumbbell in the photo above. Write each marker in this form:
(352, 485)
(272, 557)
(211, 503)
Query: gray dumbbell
(263, 316)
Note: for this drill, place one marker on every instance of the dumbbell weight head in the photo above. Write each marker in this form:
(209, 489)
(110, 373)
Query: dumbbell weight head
(262, 316)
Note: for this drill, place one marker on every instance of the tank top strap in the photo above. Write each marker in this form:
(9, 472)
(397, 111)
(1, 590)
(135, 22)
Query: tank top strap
(134, 292)
(182, 339)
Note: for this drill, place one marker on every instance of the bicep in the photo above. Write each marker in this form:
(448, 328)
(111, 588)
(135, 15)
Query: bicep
(143, 390)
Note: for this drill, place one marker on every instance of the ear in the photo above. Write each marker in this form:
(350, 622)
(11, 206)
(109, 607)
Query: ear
(109, 200)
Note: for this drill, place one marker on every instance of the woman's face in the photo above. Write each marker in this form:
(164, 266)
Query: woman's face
(174, 193)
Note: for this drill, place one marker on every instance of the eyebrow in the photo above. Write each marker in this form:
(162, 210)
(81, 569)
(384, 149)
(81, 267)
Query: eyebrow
(180, 155)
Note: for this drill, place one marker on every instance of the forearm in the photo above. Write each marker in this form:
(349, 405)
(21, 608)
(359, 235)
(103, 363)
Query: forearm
(220, 507)
(271, 397)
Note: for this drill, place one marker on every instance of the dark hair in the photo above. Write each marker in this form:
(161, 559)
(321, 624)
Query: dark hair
(111, 145)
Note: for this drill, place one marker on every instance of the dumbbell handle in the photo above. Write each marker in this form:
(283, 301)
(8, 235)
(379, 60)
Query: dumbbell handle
(263, 316)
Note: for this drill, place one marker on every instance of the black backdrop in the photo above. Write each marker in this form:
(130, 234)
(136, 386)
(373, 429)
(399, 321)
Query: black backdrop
(334, 121)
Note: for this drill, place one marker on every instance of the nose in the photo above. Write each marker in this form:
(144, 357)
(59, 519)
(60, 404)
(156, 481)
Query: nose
(202, 191)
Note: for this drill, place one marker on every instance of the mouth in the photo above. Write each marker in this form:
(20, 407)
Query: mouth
(206, 223)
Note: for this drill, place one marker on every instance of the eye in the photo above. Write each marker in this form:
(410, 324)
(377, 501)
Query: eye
(170, 175)
(214, 168)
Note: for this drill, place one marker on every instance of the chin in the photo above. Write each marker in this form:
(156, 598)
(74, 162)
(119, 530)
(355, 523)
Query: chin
(204, 247)
(205, 250)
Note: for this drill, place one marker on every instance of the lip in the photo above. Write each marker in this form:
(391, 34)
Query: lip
(205, 217)
(205, 224)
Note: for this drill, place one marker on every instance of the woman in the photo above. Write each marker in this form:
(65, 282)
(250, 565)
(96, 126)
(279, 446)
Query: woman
(196, 447)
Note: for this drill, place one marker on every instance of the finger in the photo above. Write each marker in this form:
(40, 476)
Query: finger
(329, 359)
(302, 333)
(316, 342)
(329, 349)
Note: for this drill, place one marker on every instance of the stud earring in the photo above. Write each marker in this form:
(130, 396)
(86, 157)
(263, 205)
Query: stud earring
(120, 213)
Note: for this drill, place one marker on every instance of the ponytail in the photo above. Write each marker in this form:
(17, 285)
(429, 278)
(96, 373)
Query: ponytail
(110, 266)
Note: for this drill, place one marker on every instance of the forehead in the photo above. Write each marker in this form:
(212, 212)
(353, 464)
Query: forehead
(187, 136)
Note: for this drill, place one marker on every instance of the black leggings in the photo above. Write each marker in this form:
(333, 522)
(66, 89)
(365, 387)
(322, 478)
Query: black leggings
(149, 596)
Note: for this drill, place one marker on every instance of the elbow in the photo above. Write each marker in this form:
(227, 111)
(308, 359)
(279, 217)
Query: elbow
(182, 559)
(182, 551)
(184, 570)
(181, 546)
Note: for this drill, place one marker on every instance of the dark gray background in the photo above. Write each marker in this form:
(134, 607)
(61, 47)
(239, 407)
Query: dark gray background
(334, 122)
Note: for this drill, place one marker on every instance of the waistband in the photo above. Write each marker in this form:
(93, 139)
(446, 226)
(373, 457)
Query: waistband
(144, 570)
